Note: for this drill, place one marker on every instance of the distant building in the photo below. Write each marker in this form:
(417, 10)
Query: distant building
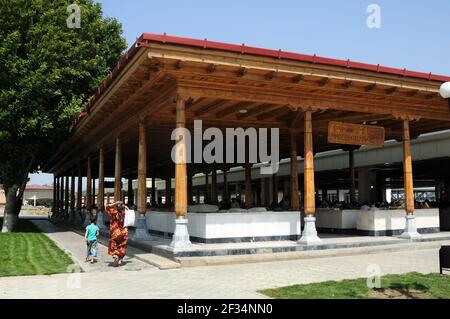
(32, 194)
(2, 196)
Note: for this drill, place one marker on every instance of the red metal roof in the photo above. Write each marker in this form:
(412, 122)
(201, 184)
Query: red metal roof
(279, 54)
(145, 38)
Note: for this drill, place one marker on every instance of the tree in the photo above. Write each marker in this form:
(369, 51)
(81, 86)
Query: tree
(48, 70)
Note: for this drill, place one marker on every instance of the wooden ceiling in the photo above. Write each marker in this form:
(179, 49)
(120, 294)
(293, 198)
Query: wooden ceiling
(229, 90)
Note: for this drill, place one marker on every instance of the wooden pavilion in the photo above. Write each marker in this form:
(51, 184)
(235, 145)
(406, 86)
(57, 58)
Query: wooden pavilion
(164, 82)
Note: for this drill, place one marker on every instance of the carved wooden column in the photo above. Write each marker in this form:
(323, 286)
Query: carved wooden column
(295, 202)
(72, 190)
(101, 180)
(248, 179)
(309, 234)
(169, 191)
(130, 192)
(214, 186)
(274, 189)
(226, 196)
(88, 201)
(189, 183)
(55, 191)
(310, 204)
(197, 196)
(351, 160)
(154, 199)
(56, 208)
(180, 165)
(71, 196)
(79, 189)
(61, 196)
(118, 171)
(410, 227)
(142, 170)
(407, 169)
(93, 193)
(101, 189)
(206, 188)
(181, 236)
(141, 231)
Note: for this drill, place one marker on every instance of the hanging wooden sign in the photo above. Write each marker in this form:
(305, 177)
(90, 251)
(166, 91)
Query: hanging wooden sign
(355, 134)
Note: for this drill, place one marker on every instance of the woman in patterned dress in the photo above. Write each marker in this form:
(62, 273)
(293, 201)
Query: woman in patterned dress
(118, 236)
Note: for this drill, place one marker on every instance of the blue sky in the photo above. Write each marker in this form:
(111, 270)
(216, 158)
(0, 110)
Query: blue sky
(414, 34)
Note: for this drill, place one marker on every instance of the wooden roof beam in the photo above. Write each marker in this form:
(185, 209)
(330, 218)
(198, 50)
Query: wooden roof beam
(258, 109)
(278, 111)
(430, 96)
(392, 90)
(305, 100)
(323, 82)
(210, 107)
(370, 87)
(347, 84)
(298, 78)
(197, 101)
(270, 76)
(233, 109)
(211, 68)
(179, 64)
(242, 72)
(412, 93)
(296, 120)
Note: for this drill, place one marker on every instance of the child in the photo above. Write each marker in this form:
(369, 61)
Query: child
(92, 232)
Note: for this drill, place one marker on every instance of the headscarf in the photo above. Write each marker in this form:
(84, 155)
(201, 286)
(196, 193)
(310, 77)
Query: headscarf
(120, 208)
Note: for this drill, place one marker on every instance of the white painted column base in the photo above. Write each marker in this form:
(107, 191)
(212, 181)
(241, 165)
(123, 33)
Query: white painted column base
(309, 236)
(58, 215)
(54, 214)
(410, 228)
(141, 232)
(66, 217)
(87, 218)
(72, 217)
(78, 220)
(101, 220)
(180, 237)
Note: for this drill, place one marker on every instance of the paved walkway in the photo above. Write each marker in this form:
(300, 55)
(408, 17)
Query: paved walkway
(225, 281)
(73, 243)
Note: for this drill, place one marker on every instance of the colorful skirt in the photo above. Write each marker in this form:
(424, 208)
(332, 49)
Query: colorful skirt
(118, 241)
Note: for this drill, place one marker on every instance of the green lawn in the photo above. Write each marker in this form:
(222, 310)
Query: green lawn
(411, 286)
(29, 252)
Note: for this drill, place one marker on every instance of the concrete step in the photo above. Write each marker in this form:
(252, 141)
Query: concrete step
(155, 260)
(339, 252)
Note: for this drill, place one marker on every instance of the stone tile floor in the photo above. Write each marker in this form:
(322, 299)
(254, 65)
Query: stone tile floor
(140, 280)
(225, 281)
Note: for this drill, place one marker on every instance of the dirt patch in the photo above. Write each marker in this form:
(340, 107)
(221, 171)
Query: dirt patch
(399, 294)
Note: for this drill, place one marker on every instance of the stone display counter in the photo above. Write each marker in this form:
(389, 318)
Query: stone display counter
(392, 222)
(374, 222)
(247, 226)
(337, 221)
(230, 227)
